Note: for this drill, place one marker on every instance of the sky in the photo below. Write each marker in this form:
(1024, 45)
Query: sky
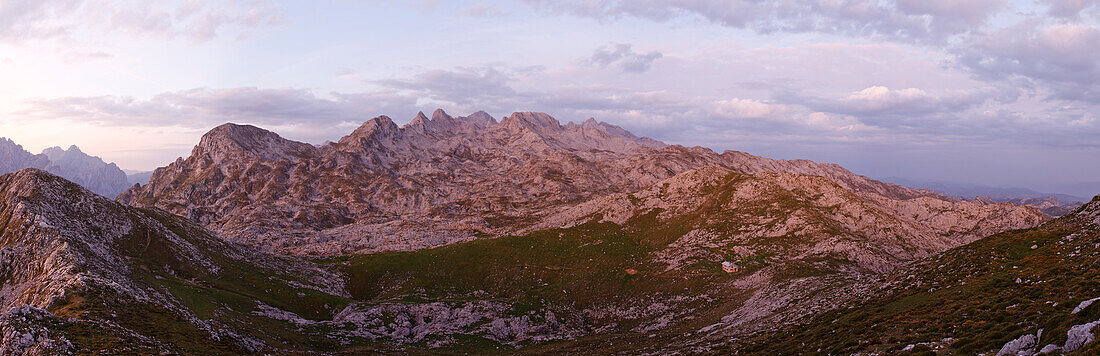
(997, 92)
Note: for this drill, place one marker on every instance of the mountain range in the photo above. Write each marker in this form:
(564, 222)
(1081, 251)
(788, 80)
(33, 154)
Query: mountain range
(525, 235)
(102, 178)
(431, 182)
(1053, 204)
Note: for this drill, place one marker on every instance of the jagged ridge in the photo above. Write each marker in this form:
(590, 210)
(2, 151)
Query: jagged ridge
(433, 181)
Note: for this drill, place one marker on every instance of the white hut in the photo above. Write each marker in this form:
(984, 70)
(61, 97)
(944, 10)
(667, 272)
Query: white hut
(730, 267)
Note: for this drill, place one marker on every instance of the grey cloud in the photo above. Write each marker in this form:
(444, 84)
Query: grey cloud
(1063, 59)
(462, 85)
(919, 21)
(622, 56)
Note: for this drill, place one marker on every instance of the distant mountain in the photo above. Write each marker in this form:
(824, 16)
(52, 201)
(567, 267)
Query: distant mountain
(971, 190)
(433, 181)
(13, 158)
(138, 177)
(1052, 204)
(1083, 189)
(102, 178)
(89, 171)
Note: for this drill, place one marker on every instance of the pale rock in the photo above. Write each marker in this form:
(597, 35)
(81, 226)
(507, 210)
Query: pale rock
(1079, 335)
(1023, 345)
(1084, 304)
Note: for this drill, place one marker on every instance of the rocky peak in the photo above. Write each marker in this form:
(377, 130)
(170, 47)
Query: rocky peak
(58, 155)
(538, 121)
(376, 127)
(480, 118)
(440, 122)
(56, 152)
(617, 131)
(250, 139)
(439, 114)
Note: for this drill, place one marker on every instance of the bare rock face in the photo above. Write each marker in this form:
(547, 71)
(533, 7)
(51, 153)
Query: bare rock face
(433, 181)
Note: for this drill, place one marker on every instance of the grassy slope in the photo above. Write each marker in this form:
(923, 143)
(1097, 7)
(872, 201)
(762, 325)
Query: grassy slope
(980, 295)
(567, 270)
(564, 270)
(227, 298)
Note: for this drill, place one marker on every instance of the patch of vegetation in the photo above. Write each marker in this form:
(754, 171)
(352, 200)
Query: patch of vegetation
(978, 297)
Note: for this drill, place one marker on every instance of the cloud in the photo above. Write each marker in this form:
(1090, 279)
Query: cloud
(917, 21)
(89, 20)
(1060, 59)
(462, 85)
(880, 100)
(1070, 8)
(204, 108)
(749, 108)
(623, 57)
(875, 113)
